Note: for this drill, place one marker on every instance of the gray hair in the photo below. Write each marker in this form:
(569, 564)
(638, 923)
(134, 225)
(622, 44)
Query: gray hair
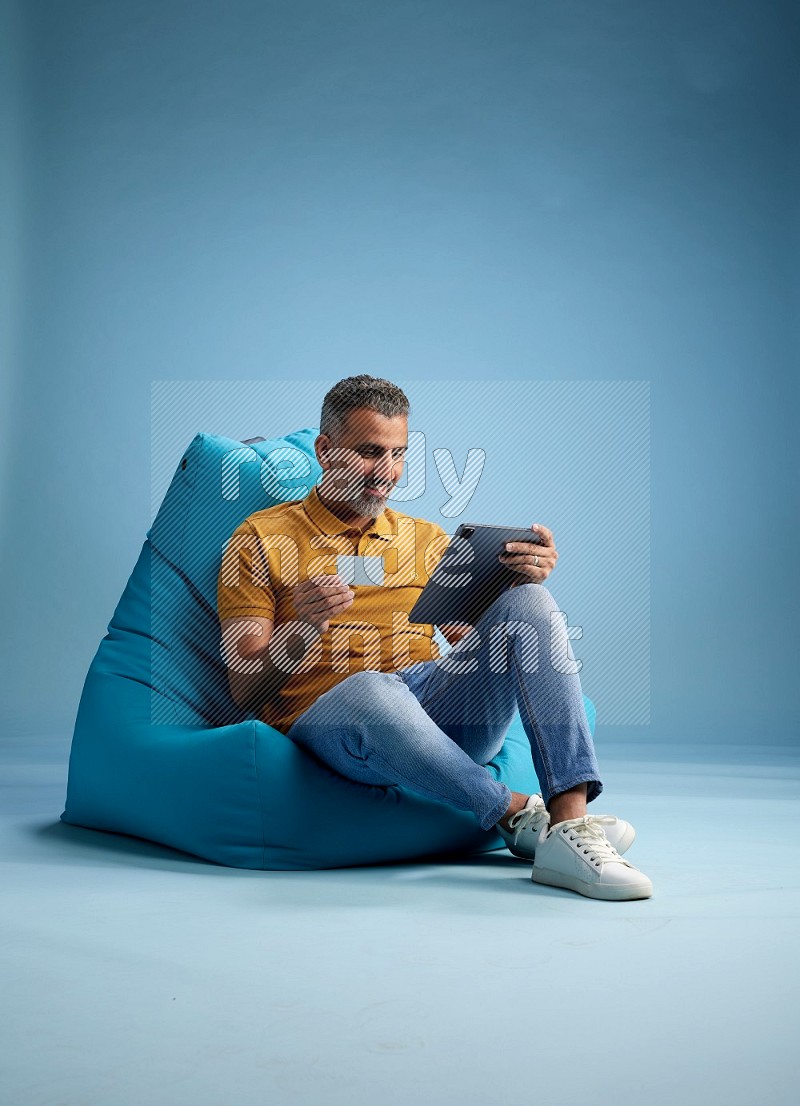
(360, 391)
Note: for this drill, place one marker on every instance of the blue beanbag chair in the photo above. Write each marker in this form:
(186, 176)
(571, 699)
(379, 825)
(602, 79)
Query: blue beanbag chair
(160, 750)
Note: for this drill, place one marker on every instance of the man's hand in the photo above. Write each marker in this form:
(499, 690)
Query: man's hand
(520, 556)
(318, 599)
(454, 631)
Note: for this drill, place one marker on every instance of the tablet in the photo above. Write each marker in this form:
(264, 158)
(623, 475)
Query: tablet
(469, 577)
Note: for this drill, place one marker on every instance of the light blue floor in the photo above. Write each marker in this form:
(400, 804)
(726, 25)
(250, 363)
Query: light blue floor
(134, 974)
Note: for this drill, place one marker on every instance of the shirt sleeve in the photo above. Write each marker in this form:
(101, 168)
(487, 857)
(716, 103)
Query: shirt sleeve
(243, 586)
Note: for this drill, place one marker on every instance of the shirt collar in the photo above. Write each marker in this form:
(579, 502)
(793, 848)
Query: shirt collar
(329, 523)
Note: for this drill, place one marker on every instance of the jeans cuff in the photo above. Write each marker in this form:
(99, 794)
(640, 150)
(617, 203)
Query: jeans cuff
(497, 812)
(593, 789)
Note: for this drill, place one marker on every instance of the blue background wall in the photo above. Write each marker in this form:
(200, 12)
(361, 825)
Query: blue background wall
(429, 191)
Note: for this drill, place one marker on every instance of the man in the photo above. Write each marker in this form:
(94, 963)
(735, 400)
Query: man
(344, 673)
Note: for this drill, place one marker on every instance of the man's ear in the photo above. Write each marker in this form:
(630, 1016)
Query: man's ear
(322, 445)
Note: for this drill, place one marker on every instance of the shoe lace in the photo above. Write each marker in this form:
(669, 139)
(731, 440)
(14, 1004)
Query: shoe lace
(591, 839)
(523, 818)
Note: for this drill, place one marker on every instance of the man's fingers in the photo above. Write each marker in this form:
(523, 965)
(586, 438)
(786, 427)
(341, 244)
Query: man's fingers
(322, 585)
(532, 546)
(545, 535)
(340, 606)
(526, 565)
(322, 600)
(331, 601)
(526, 549)
(325, 614)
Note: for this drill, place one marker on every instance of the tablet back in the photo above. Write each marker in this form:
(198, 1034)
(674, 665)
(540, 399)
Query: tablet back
(469, 577)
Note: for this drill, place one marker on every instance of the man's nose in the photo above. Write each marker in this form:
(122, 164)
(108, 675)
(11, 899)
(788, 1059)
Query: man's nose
(383, 468)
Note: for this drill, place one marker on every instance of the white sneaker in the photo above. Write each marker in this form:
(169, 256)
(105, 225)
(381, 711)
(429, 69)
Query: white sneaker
(527, 825)
(576, 854)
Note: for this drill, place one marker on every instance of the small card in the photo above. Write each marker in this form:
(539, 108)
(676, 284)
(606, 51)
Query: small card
(361, 571)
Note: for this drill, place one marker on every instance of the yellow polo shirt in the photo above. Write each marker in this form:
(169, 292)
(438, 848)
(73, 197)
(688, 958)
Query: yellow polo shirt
(274, 550)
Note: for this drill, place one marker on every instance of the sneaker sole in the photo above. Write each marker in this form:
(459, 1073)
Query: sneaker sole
(610, 892)
(519, 855)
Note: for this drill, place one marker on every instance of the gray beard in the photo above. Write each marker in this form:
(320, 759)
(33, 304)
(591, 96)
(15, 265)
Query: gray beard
(368, 506)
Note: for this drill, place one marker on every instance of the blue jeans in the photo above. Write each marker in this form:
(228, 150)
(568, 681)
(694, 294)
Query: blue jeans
(432, 727)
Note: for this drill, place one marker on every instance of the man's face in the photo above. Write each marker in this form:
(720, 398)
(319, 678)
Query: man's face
(363, 461)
